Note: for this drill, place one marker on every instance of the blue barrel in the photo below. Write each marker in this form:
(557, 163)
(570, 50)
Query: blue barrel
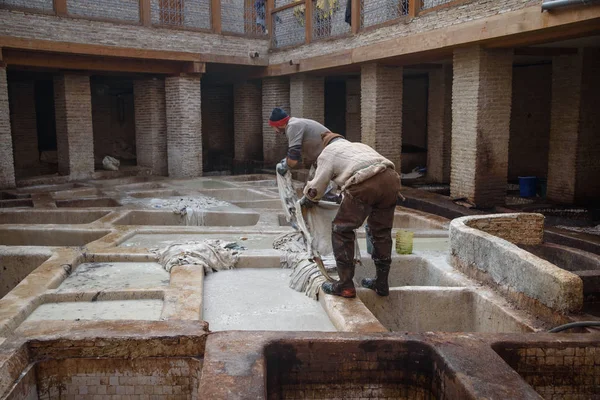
(527, 186)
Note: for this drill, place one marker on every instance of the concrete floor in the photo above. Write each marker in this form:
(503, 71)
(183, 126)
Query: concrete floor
(87, 252)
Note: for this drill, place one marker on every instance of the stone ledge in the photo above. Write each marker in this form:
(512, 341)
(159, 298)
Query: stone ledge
(510, 268)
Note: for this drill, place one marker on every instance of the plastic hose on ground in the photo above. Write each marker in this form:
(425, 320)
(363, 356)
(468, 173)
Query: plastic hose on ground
(580, 324)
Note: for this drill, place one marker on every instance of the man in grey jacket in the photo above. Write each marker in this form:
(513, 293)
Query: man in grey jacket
(304, 139)
(370, 187)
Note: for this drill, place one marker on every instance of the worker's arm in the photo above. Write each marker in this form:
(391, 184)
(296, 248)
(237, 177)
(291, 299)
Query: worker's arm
(315, 189)
(295, 134)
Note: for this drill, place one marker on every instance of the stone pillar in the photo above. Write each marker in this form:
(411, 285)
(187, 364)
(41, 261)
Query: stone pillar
(481, 103)
(439, 125)
(573, 161)
(275, 93)
(307, 97)
(23, 122)
(7, 167)
(247, 122)
(184, 126)
(151, 125)
(353, 109)
(74, 132)
(381, 110)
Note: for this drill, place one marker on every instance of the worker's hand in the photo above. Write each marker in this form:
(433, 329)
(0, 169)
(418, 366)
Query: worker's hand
(282, 167)
(307, 203)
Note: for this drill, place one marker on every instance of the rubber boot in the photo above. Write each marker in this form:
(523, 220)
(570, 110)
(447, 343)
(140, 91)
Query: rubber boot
(336, 289)
(380, 283)
(343, 287)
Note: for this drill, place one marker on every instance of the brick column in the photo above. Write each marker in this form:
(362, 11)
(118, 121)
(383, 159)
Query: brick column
(7, 167)
(307, 97)
(481, 103)
(275, 93)
(573, 163)
(381, 110)
(439, 125)
(24, 124)
(247, 122)
(74, 133)
(184, 126)
(353, 109)
(151, 125)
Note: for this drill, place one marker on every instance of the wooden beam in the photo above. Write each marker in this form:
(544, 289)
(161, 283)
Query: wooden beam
(308, 25)
(269, 13)
(60, 7)
(145, 13)
(293, 4)
(414, 7)
(125, 52)
(194, 67)
(356, 16)
(215, 9)
(96, 63)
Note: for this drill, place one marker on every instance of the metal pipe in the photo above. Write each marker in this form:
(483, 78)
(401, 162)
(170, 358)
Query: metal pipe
(553, 4)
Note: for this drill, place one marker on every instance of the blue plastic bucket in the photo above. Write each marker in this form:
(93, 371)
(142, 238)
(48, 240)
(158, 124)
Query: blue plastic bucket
(527, 186)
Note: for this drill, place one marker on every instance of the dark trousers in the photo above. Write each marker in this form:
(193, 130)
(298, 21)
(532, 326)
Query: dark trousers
(374, 200)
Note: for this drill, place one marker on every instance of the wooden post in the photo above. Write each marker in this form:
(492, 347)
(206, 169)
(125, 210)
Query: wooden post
(215, 8)
(269, 15)
(60, 7)
(414, 7)
(355, 16)
(145, 13)
(308, 14)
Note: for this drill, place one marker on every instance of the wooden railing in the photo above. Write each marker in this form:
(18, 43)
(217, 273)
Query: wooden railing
(287, 22)
(304, 21)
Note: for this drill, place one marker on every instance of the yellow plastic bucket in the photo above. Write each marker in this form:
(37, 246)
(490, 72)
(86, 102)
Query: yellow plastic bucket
(404, 242)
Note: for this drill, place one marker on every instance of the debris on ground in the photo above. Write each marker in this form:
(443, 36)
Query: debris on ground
(110, 163)
(212, 254)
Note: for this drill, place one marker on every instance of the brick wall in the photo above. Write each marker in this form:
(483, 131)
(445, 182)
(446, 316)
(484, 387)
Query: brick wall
(353, 124)
(248, 121)
(475, 9)
(217, 127)
(307, 97)
(275, 93)
(530, 121)
(112, 379)
(383, 371)
(105, 33)
(587, 189)
(23, 122)
(124, 10)
(439, 124)
(527, 229)
(568, 371)
(414, 111)
(481, 102)
(381, 110)
(151, 125)
(74, 132)
(7, 168)
(184, 126)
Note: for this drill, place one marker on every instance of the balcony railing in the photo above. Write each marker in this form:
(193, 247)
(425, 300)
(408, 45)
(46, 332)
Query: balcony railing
(287, 22)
